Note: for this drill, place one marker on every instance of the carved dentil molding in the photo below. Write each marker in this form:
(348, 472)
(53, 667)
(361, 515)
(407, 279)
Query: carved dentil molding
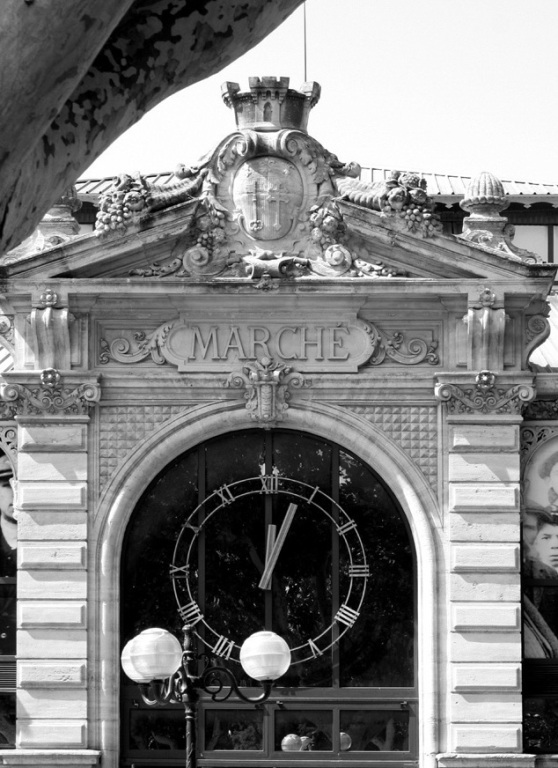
(484, 396)
(267, 384)
(52, 394)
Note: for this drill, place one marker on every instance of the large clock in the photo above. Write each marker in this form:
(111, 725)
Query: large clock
(292, 502)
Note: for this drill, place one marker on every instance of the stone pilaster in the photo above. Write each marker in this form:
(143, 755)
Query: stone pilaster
(483, 415)
(51, 509)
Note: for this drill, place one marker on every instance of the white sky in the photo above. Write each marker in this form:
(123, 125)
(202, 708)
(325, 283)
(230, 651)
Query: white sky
(446, 86)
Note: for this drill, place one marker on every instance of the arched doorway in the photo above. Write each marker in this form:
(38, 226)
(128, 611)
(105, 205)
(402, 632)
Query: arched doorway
(353, 694)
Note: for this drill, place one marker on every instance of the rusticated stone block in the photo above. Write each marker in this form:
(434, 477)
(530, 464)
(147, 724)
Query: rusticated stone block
(485, 557)
(485, 646)
(52, 555)
(485, 617)
(493, 707)
(52, 437)
(49, 674)
(52, 644)
(43, 525)
(54, 585)
(483, 467)
(489, 737)
(69, 496)
(469, 497)
(47, 613)
(469, 677)
(65, 733)
(470, 437)
(55, 467)
(67, 703)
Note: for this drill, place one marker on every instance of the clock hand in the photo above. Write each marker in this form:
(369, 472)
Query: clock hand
(274, 546)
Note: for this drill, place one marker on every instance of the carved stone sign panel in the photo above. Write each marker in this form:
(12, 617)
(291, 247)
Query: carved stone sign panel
(193, 346)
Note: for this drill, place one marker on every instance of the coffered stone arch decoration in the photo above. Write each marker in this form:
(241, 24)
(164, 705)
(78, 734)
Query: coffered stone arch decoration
(204, 422)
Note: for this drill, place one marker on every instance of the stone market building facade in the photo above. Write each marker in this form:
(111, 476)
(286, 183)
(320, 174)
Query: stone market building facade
(271, 328)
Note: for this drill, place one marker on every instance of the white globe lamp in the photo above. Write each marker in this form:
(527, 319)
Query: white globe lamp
(154, 654)
(265, 656)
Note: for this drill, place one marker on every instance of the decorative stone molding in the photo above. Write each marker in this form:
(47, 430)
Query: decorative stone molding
(8, 441)
(413, 427)
(51, 395)
(50, 332)
(267, 385)
(484, 396)
(533, 437)
(122, 427)
(486, 324)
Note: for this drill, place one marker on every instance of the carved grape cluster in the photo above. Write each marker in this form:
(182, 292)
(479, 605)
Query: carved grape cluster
(420, 217)
(210, 230)
(328, 227)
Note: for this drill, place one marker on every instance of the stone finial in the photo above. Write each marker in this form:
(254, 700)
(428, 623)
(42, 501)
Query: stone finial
(485, 200)
(485, 196)
(270, 105)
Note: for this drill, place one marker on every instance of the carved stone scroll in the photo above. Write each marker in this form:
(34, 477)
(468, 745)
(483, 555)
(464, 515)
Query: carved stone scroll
(51, 395)
(484, 396)
(267, 385)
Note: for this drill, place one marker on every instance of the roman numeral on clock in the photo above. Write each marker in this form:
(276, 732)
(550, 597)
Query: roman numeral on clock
(359, 571)
(179, 571)
(270, 483)
(314, 648)
(350, 525)
(346, 615)
(190, 613)
(223, 647)
(224, 493)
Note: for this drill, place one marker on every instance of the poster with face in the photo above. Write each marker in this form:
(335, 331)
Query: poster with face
(540, 554)
(540, 513)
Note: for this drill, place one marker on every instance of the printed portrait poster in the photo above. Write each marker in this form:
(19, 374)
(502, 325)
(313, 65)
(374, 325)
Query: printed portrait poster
(540, 554)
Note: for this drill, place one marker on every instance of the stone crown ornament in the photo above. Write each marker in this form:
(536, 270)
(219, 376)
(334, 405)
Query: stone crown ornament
(270, 104)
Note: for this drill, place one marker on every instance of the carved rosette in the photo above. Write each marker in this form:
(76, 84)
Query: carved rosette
(266, 384)
(50, 396)
(484, 396)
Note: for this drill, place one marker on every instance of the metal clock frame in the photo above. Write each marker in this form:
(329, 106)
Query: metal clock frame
(265, 485)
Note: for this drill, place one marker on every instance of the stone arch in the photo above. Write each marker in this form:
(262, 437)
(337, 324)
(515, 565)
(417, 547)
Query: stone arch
(185, 431)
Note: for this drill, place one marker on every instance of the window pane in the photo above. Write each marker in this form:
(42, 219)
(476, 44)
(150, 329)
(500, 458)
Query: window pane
(7, 719)
(157, 730)
(540, 725)
(150, 538)
(373, 731)
(233, 729)
(303, 730)
(378, 651)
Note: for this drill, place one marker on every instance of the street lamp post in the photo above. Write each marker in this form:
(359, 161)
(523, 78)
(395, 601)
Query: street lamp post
(166, 672)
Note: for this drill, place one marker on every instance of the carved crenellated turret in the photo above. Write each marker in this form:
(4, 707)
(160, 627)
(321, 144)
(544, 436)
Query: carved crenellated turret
(485, 200)
(270, 105)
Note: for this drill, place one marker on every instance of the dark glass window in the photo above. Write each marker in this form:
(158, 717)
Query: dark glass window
(353, 690)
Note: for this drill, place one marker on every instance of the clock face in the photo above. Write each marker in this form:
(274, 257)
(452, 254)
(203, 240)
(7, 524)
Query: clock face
(262, 523)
